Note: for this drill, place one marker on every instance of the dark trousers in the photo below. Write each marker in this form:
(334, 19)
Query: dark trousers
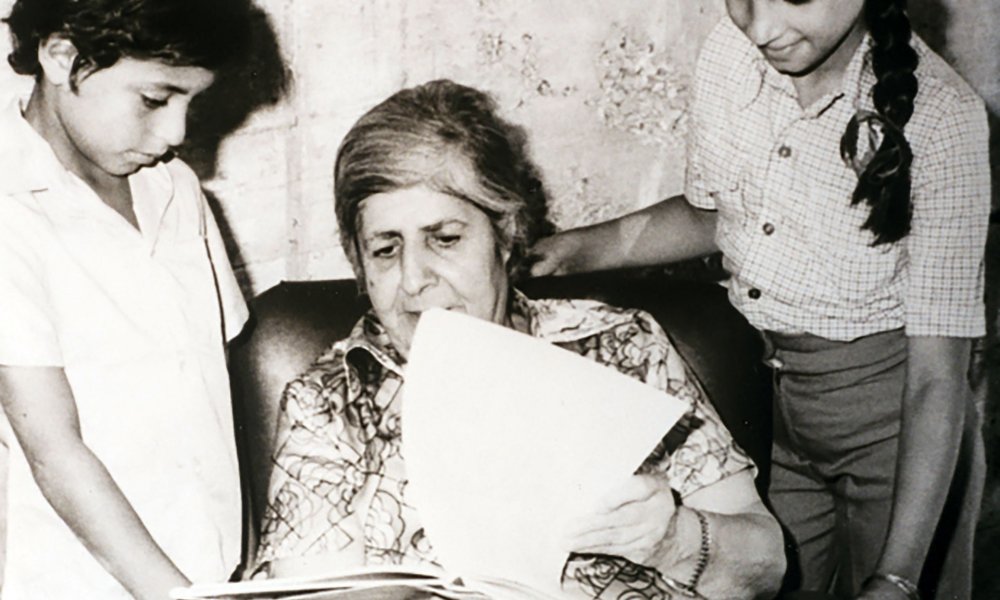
(836, 427)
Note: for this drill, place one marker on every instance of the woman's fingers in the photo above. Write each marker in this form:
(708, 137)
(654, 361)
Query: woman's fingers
(609, 541)
(630, 515)
(631, 523)
(637, 544)
(636, 489)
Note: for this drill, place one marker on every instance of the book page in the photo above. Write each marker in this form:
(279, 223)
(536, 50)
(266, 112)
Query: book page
(507, 437)
(364, 583)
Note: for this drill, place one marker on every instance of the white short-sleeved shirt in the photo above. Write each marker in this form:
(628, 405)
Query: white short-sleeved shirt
(799, 258)
(138, 323)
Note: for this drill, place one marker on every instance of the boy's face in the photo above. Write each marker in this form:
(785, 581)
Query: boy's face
(799, 36)
(124, 117)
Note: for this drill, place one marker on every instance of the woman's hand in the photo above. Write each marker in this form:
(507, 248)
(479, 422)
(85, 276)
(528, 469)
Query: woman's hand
(633, 522)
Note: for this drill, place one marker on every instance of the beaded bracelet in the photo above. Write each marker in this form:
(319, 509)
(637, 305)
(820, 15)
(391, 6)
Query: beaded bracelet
(909, 589)
(690, 588)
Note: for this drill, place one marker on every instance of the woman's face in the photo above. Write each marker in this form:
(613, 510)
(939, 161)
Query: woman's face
(799, 36)
(423, 249)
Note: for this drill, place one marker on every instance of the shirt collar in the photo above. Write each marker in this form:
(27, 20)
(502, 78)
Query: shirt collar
(552, 320)
(751, 72)
(27, 162)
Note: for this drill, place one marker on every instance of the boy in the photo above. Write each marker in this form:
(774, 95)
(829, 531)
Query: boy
(117, 301)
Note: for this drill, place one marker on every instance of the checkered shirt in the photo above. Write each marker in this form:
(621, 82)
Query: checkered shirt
(799, 260)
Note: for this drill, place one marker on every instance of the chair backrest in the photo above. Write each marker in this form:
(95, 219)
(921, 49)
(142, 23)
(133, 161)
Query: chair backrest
(294, 322)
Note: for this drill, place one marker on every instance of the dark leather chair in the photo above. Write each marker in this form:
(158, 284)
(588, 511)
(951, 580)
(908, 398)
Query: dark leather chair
(294, 322)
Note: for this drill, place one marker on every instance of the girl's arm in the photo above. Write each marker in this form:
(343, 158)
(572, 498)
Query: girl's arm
(745, 554)
(42, 412)
(933, 418)
(667, 231)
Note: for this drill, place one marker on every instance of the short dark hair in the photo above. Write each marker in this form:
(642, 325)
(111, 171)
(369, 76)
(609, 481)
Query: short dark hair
(448, 138)
(202, 33)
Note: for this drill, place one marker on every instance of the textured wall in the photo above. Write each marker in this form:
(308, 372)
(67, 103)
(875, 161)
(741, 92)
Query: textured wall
(600, 86)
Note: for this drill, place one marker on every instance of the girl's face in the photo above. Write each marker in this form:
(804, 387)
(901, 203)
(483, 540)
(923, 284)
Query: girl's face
(800, 36)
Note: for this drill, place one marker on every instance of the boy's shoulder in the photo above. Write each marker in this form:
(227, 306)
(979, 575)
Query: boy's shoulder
(170, 179)
(23, 157)
(181, 174)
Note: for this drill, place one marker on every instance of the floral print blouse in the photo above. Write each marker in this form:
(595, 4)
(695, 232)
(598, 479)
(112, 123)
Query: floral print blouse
(338, 485)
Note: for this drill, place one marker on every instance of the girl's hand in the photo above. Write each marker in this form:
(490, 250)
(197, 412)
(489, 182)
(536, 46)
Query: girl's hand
(633, 522)
(556, 254)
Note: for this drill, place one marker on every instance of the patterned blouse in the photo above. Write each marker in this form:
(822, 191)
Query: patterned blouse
(338, 486)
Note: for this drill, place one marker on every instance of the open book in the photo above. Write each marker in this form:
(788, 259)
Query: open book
(507, 439)
(366, 583)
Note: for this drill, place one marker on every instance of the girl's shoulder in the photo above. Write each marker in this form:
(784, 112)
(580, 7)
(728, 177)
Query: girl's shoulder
(725, 48)
(934, 72)
(941, 87)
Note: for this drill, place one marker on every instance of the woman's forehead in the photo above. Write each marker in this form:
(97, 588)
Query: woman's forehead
(412, 209)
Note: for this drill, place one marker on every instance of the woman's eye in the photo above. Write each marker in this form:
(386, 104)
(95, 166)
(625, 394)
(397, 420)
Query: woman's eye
(446, 241)
(383, 251)
(151, 102)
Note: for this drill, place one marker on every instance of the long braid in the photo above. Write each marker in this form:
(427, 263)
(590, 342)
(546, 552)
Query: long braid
(884, 182)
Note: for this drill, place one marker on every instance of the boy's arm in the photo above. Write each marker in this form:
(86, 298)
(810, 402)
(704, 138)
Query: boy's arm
(664, 232)
(42, 412)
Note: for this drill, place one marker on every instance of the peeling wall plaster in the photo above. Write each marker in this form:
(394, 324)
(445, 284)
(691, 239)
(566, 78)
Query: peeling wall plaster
(601, 88)
(644, 88)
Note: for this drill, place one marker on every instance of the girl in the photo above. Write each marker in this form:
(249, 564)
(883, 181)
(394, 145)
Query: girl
(117, 298)
(841, 168)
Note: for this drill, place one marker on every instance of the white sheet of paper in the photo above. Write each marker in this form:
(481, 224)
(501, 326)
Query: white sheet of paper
(507, 437)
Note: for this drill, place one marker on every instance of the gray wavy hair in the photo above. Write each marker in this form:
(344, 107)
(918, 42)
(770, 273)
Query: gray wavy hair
(448, 138)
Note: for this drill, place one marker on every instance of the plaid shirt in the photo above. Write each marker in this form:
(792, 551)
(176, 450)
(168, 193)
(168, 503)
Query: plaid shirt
(799, 260)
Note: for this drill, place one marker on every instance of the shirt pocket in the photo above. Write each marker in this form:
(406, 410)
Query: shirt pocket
(727, 182)
(860, 271)
(186, 275)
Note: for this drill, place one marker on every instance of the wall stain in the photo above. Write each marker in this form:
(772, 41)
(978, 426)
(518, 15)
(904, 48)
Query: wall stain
(644, 89)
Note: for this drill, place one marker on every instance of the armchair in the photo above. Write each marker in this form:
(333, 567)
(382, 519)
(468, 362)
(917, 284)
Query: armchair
(295, 321)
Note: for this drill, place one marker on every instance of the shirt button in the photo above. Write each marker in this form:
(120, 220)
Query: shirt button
(754, 293)
(768, 228)
(784, 151)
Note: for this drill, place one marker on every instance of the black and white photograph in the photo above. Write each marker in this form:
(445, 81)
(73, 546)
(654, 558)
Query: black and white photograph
(499, 299)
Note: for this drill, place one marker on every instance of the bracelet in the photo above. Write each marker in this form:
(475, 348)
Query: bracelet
(691, 587)
(909, 589)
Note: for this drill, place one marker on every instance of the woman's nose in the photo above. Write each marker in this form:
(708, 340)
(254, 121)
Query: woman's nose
(418, 272)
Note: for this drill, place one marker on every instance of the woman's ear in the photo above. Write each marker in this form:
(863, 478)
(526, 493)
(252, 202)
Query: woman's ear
(56, 55)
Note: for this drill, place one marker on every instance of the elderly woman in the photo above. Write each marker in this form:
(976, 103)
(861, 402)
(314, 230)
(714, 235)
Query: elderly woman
(437, 201)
